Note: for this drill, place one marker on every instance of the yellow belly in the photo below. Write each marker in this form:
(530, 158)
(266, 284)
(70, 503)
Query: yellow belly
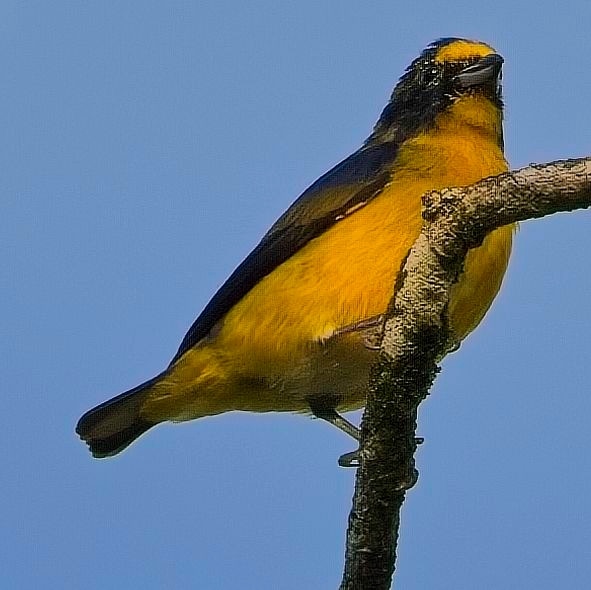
(274, 349)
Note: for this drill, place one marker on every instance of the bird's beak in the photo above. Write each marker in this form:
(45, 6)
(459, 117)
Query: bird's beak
(484, 70)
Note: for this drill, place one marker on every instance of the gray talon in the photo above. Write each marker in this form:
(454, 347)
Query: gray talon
(352, 459)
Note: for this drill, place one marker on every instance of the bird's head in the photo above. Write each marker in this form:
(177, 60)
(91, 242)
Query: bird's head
(454, 81)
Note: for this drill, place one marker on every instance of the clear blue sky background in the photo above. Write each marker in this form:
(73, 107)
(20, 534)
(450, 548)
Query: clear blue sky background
(146, 147)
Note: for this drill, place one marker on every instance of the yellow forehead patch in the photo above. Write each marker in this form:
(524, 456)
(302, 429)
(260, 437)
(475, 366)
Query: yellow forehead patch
(463, 50)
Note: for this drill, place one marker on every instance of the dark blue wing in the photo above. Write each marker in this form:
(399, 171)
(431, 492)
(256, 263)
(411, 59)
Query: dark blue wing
(346, 187)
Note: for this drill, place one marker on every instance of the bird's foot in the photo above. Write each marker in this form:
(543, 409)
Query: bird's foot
(352, 459)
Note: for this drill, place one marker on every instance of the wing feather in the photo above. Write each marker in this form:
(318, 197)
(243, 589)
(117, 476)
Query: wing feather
(341, 191)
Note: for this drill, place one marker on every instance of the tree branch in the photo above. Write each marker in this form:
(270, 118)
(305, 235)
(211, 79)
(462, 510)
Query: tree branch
(416, 336)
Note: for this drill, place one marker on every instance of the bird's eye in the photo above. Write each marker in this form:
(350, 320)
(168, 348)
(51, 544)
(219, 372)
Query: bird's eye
(431, 75)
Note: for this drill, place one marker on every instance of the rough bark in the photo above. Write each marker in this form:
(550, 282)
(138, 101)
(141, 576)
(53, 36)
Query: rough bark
(416, 337)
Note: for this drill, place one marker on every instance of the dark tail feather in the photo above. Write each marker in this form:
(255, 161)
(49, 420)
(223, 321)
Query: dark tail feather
(116, 423)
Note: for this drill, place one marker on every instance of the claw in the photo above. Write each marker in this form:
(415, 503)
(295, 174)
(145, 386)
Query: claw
(352, 459)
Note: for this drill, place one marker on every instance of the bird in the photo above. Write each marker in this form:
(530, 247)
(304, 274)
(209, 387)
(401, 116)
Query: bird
(295, 327)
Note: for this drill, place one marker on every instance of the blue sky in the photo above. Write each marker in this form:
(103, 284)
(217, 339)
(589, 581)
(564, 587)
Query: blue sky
(146, 148)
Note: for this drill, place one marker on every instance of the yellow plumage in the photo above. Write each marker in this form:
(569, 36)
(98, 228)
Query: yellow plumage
(288, 339)
(342, 277)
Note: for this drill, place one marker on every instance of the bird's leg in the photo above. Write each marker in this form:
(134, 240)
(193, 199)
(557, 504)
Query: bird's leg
(352, 459)
(331, 416)
(334, 418)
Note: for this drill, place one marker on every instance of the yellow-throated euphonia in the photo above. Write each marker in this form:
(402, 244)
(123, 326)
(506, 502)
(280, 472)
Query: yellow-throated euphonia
(293, 328)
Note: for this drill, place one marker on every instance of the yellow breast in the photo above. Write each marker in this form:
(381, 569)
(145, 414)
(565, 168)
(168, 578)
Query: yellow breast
(274, 347)
(347, 274)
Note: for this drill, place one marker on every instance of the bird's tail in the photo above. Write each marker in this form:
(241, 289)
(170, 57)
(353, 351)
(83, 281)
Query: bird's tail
(115, 424)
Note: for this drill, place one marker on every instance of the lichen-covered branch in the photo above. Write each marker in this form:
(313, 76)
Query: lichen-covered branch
(416, 337)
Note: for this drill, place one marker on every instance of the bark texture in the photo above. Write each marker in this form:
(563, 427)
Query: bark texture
(416, 336)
